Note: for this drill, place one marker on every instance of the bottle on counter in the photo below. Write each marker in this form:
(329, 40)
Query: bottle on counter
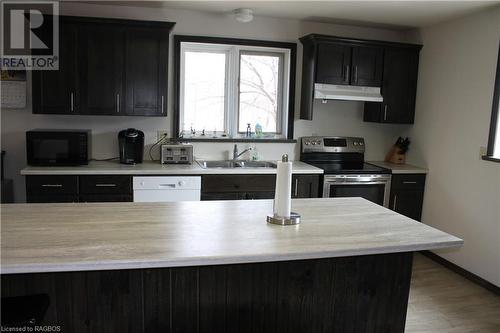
(258, 130)
(249, 131)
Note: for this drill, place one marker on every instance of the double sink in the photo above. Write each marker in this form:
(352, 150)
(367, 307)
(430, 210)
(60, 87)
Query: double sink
(231, 164)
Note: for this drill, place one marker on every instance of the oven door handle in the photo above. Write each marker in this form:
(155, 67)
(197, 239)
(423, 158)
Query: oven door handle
(353, 179)
(347, 183)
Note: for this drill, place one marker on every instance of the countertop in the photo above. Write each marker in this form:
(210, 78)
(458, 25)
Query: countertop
(400, 168)
(104, 236)
(155, 168)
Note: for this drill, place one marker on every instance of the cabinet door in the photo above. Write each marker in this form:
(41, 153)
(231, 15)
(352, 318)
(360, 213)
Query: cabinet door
(259, 195)
(408, 202)
(367, 64)
(399, 88)
(56, 91)
(146, 57)
(30, 198)
(333, 64)
(305, 186)
(222, 196)
(407, 195)
(106, 198)
(101, 68)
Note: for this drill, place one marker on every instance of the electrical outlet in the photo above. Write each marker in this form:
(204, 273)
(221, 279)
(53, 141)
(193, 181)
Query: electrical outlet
(482, 152)
(161, 135)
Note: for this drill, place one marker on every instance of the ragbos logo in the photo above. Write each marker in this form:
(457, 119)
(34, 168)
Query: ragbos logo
(30, 35)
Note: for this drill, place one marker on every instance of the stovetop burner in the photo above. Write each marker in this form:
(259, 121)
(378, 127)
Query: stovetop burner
(338, 155)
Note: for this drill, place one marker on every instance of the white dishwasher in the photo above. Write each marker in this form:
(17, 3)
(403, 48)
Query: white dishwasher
(166, 189)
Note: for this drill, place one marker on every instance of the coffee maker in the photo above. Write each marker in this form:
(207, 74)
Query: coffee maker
(131, 143)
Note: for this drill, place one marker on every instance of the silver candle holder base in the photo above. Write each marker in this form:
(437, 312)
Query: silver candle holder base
(275, 219)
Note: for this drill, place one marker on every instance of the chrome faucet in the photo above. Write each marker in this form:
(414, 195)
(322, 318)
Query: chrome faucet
(236, 154)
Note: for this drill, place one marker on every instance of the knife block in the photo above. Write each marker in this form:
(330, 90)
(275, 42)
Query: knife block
(395, 156)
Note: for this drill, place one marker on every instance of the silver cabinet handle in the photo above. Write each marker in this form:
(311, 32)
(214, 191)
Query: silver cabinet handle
(52, 185)
(409, 182)
(395, 201)
(356, 74)
(72, 101)
(385, 112)
(162, 103)
(347, 74)
(296, 193)
(118, 103)
(105, 185)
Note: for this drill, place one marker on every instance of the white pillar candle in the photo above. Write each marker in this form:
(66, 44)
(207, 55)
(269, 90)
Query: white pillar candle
(282, 197)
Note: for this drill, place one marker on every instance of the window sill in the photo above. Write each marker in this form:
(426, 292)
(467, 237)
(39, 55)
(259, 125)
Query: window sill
(491, 158)
(234, 140)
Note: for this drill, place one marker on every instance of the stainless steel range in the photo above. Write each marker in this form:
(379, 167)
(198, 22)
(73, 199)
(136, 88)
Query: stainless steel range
(346, 174)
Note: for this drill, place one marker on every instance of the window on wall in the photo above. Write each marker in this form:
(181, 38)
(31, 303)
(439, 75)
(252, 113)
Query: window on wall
(493, 151)
(227, 87)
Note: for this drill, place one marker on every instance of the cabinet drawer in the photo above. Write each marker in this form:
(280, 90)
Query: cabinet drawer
(106, 198)
(51, 198)
(238, 183)
(413, 181)
(51, 185)
(105, 184)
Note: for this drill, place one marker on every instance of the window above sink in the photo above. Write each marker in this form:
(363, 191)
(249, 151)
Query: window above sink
(226, 85)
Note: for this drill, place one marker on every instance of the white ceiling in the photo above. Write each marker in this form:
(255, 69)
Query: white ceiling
(393, 14)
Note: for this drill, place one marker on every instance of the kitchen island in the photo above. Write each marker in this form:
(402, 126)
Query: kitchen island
(215, 266)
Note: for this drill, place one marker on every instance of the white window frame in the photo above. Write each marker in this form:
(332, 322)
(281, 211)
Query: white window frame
(231, 87)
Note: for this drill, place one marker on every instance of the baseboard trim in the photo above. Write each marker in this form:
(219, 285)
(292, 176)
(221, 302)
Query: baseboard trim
(465, 273)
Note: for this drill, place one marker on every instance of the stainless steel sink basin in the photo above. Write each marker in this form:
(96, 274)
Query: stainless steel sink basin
(257, 164)
(228, 164)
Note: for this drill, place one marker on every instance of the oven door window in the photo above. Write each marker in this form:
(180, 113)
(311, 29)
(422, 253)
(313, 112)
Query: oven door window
(372, 192)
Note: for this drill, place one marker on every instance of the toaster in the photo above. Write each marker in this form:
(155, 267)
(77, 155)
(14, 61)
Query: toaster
(176, 154)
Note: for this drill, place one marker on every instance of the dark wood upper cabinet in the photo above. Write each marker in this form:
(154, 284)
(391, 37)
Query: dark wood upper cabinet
(333, 63)
(146, 59)
(106, 67)
(56, 91)
(366, 66)
(101, 80)
(345, 61)
(399, 88)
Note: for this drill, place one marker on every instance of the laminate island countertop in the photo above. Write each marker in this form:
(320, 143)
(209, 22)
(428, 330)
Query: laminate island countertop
(155, 168)
(107, 236)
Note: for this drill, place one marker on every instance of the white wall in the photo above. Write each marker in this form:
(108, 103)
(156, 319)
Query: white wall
(454, 102)
(335, 118)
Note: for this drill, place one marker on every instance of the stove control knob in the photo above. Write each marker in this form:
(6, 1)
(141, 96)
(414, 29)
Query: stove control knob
(313, 143)
(318, 142)
(355, 143)
(361, 143)
(307, 143)
(181, 183)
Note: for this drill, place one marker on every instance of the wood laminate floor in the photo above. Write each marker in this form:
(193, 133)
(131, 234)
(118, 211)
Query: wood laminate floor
(445, 302)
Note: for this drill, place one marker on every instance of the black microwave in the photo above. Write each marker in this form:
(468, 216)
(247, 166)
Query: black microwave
(58, 147)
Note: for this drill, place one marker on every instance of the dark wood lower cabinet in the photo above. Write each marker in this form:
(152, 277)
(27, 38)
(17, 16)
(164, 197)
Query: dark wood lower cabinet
(250, 187)
(93, 188)
(350, 294)
(407, 195)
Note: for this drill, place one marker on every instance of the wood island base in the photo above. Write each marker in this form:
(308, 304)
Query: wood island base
(347, 294)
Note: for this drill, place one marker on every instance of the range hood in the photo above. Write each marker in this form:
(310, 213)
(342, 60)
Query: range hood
(347, 93)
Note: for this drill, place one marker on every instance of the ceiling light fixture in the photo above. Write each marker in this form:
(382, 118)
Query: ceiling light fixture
(243, 15)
